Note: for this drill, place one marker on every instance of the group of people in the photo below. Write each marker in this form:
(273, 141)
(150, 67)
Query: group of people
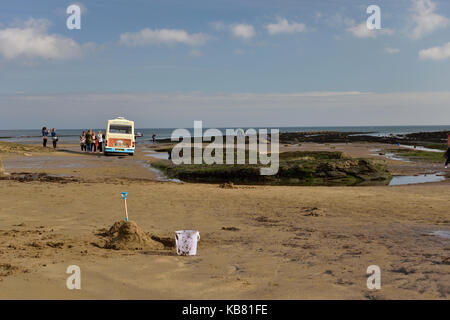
(91, 141)
(46, 133)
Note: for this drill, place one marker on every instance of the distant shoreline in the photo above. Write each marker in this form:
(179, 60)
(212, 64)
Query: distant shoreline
(72, 135)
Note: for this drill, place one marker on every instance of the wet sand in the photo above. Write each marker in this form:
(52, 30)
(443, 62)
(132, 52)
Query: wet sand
(257, 242)
(70, 161)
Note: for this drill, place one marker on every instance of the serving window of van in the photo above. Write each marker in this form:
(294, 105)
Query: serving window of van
(120, 129)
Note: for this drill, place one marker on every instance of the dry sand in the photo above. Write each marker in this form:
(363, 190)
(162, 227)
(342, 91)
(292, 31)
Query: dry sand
(257, 242)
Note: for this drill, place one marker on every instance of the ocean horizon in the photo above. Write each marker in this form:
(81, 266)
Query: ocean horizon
(72, 135)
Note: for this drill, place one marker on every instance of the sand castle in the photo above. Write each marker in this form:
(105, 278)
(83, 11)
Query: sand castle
(128, 235)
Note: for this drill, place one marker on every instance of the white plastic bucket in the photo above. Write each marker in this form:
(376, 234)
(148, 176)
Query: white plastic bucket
(186, 242)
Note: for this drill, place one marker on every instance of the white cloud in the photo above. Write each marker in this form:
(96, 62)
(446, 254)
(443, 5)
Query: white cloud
(392, 50)
(425, 19)
(30, 40)
(239, 52)
(361, 31)
(436, 53)
(240, 30)
(162, 36)
(284, 26)
(218, 25)
(244, 31)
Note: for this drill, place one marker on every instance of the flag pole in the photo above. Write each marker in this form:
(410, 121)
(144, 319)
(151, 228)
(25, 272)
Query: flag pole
(124, 196)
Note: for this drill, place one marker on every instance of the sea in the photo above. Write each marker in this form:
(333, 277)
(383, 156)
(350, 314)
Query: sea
(72, 135)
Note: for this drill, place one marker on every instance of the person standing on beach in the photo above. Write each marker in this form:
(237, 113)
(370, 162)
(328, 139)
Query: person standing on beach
(54, 138)
(94, 141)
(447, 154)
(153, 137)
(100, 141)
(44, 137)
(89, 140)
(83, 141)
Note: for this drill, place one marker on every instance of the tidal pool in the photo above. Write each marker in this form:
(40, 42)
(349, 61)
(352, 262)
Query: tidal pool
(441, 234)
(424, 178)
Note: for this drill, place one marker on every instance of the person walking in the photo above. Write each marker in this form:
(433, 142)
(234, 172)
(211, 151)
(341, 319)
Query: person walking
(447, 154)
(94, 141)
(54, 138)
(89, 140)
(44, 137)
(83, 141)
(100, 141)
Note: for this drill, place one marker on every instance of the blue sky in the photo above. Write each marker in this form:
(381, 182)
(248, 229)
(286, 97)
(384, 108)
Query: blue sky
(225, 54)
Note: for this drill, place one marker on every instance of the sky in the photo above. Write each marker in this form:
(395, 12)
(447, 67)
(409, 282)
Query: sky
(230, 63)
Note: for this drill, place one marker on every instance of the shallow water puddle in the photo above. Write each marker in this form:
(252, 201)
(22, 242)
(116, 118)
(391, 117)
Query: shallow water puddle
(158, 155)
(441, 233)
(424, 178)
(43, 163)
(390, 156)
(420, 148)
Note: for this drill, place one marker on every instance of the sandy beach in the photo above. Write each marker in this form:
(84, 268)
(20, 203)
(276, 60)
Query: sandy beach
(305, 145)
(257, 242)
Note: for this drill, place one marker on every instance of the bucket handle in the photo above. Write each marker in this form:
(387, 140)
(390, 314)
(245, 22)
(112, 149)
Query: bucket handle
(198, 236)
(176, 240)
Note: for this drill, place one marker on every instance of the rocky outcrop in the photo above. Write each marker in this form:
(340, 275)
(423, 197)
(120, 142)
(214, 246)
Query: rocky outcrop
(361, 169)
(419, 138)
(295, 168)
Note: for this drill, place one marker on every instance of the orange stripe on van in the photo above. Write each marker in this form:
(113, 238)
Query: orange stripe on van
(119, 143)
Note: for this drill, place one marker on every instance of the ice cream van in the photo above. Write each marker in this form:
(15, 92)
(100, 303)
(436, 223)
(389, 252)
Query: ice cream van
(119, 137)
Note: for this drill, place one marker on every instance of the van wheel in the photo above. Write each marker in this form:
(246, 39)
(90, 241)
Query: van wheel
(131, 154)
(106, 154)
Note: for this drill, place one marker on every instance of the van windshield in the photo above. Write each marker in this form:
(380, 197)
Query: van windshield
(123, 129)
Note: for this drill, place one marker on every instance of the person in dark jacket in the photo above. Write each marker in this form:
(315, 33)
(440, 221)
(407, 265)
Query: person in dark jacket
(54, 138)
(44, 137)
(89, 140)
